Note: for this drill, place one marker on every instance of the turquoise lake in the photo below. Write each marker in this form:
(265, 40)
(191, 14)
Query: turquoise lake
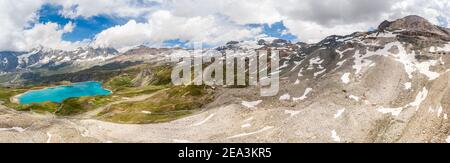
(60, 93)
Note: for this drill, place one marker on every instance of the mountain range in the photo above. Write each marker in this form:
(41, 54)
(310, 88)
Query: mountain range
(386, 85)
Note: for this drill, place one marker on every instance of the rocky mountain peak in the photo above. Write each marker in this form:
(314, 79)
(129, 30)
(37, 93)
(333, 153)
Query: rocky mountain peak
(413, 22)
(409, 23)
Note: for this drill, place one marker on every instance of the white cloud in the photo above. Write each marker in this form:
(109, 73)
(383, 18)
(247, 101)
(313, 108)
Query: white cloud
(210, 21)
(312, 20)
(163, 25)
(19, 30)
(129, 34)
(48, 35)
(241, 12)
(15, 16)
(430, 9)
(312, 32)
(119, 8)
(69, 27)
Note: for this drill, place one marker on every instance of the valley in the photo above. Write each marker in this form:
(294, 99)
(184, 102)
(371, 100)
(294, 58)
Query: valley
(387, 85)
(129, 87)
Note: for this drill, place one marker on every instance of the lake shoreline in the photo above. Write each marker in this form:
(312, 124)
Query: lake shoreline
(15, 99)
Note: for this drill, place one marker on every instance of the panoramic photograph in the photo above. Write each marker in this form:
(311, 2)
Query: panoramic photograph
(224, 71)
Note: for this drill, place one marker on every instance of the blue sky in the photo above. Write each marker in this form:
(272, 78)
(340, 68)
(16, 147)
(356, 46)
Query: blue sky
(87, 28)
(277, 29)
(178, 22)
(442, 21)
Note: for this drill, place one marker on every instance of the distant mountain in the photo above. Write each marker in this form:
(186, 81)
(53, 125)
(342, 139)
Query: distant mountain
(9, 61)
(53, 59)
(387, 85)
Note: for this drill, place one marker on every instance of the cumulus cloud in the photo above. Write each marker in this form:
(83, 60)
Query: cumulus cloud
(47, 35)
(163, 25)
(119, 8)
(430, 9)
(312, 20)
(125, 35)
(19, 30)
(15, 16)
(211, 21)
(335, 12)
(309, 20)
(241, 12)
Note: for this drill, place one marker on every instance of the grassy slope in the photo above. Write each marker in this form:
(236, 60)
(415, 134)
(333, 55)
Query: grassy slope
(7, 93)
(168, 105)
(173, 103)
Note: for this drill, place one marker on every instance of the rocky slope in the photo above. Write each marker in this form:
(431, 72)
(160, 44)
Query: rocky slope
(389, 85)
(15, 67)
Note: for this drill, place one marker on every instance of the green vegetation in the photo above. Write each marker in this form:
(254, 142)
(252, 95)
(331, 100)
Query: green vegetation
(170, 103)
(167, 105)
(162, 75)
(72, 106)
(119, 83)
(45, 107)
(7, 93)
(135, 91)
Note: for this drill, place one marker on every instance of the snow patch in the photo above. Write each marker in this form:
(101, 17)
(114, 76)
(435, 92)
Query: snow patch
(49, 137)
(346, 78)
(304, 96)
(296, 65)
(409, 61)
(251, 133)
(297, 82)
(408, 85)
(421, 96)
(335, 137)
(424, 68)
(285, 97)
(181, 141)
(285, 64)
(248, 119)
(439, 111)
(247, 125)
(361, 61)
(251, 104)
(300, 72)
(5, 61)
(291, 112)
(320, 72)
(315, 61)
(393, 111)
(356, 98)
(340, 63)
(445, 48)
(339, 113)
(24, 58)
(16, 129)
(204, 121)
(341, 53)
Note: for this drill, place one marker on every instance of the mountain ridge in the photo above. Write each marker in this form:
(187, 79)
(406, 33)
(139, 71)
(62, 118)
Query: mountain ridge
(389, 85)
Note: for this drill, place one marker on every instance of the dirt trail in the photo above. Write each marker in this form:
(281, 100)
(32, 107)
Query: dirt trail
(93, 113)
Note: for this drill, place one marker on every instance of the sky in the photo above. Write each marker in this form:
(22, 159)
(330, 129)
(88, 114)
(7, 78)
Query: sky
(121, 24)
